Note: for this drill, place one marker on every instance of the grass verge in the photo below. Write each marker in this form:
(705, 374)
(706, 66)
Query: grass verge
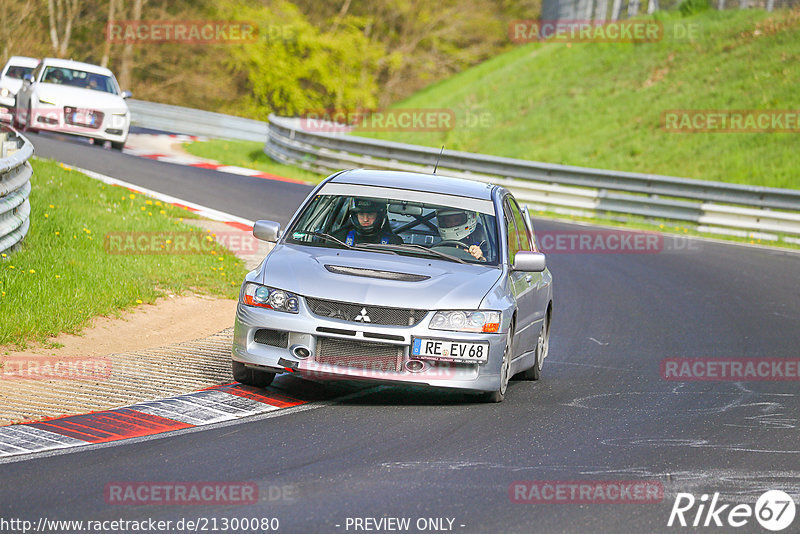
(62, 276)
(601, 105)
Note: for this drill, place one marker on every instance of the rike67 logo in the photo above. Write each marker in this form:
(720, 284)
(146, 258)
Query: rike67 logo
(774, 511)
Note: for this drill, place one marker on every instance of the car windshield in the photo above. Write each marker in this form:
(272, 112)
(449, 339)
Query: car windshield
(383, 224)
(79, 78)
(17, 71)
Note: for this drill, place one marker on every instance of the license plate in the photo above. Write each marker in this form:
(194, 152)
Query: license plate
(437, 349)
(85, 118)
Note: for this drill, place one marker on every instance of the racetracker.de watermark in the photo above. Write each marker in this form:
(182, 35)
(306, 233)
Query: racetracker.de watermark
(731, 120)
(161, 243)
(585, 491)
(383, 120)
(182, 31)
(188, 493)
(54, 368)
(598, 31)
(599, 242)
(730, 369)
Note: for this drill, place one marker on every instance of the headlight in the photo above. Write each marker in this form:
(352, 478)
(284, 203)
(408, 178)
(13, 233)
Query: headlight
(270, 297)
(4, 91)
(466, 321)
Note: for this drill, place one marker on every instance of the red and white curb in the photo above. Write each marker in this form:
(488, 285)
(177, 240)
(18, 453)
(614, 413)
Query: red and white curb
(213, 405)
(209, 213)
(157, 147)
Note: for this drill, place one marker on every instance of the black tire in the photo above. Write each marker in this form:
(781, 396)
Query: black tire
(118, 146)
(505, 373)
(251, 377)
(542, 347)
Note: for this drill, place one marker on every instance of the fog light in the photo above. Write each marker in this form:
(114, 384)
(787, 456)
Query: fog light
(301, 352)
(415, 366)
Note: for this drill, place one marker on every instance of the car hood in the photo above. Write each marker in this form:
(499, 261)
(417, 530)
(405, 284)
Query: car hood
(12, 84)
(64, 95)
(302, 270)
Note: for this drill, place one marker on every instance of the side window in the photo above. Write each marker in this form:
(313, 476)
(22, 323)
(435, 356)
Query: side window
(36, 72)
(511, 231)
(522, 229)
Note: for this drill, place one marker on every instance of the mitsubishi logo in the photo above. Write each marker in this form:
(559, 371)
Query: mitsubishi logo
(363, 317)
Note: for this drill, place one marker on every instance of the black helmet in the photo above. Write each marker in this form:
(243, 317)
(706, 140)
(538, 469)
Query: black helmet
(366, 205)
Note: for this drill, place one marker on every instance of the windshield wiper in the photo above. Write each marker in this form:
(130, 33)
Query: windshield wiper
(329, 237)
(406, 246)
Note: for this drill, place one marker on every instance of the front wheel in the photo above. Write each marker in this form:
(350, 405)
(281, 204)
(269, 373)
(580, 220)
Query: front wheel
(251, 377)
(505, 372)
(118, 146)
(542, 346)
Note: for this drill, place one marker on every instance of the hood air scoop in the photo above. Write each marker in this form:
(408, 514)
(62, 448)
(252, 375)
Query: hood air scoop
(372, 273)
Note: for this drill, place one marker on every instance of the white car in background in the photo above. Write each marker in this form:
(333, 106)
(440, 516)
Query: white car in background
(76, 98)
(11, 81)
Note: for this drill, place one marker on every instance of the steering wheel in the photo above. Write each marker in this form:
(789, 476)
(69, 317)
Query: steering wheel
(451, 243)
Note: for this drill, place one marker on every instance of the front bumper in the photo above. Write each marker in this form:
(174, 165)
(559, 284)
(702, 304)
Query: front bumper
(357, 351)
(113, 126)
(6, 109)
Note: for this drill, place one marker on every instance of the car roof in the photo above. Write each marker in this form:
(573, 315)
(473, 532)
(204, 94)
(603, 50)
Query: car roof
(431, 183)
(78, 65)
(22, 61)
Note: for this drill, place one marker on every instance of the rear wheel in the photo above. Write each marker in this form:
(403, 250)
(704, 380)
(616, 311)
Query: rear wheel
(251, 377)
(505, 372)
(542, 346)
(118, 146)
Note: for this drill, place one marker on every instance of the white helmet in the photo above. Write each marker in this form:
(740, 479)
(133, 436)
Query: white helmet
(459, 225)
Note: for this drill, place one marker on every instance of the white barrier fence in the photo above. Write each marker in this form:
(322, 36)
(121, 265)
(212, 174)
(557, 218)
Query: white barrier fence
(15, 187)
(748, 211)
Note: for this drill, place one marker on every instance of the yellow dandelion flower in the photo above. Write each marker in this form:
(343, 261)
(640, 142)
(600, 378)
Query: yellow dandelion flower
(143, 208)
(58, 276)
(158, 202)
(209, 238)
(213, 252)
(4, 293)
(162, 212)
(58, 233)
(10, 266)
(32, 271)
(221, 258)
(149, 214)
(46, 215)
(148, 202)
(138, 301)
(4, 255)
(51, 206)
(169, 241)
(131, 196)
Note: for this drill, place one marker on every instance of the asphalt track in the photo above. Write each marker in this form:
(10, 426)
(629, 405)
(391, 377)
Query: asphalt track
(601, 412)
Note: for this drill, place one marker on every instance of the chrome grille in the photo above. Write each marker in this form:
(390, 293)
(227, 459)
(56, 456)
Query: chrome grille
(377, 314)
(359, 355)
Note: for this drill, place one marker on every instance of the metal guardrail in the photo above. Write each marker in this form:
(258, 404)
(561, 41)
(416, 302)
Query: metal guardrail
(195, 122)
(15, 187)
(761, 212)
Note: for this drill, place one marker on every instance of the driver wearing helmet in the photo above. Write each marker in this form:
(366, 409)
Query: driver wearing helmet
(459, 225)
(369, 224)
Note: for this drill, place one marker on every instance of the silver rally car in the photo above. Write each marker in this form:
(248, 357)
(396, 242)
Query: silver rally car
(401, 278)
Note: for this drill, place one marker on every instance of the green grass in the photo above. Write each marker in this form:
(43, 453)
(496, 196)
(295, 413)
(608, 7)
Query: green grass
(61, 276)
(600, 104)
(248, 154)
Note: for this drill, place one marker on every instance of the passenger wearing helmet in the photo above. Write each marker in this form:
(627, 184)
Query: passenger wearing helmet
(459, 227)
(368, 224)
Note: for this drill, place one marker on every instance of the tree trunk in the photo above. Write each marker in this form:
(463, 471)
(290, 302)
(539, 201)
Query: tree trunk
(126, 69)
(112, 4)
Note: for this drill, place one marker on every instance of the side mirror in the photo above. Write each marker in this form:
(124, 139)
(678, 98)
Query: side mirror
(533, 262)
(126, 94)
(27, 78)
(267, 230)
